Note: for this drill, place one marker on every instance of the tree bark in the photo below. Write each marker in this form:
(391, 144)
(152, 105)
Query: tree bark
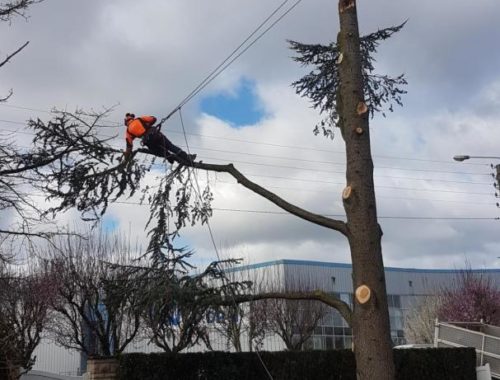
(320, 220)
(372, 339)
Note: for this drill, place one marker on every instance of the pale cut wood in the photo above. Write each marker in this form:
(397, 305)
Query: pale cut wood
(347, 192)
(363, 294)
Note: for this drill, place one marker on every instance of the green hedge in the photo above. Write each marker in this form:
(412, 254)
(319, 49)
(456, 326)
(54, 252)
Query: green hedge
(411, 364)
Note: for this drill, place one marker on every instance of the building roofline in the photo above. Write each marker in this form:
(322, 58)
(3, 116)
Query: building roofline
(324, 264)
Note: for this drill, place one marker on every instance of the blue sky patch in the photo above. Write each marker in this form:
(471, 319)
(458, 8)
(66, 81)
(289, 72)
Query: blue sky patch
(239, 109)
(110, 223)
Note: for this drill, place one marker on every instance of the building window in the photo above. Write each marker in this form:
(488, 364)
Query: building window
(394, 300)
(339, 342)
(329, 342)
(328, 330)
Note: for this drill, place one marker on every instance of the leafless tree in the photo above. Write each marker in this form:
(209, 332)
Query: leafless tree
(420, 322)
(258, 326)
(231, 323)
(16, 164)
(98, 303)
(178, 302)
(8, 11)
(24, 302)
(291, 312)
(294, 321)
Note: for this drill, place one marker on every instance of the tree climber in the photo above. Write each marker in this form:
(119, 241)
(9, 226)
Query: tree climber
(156, 142)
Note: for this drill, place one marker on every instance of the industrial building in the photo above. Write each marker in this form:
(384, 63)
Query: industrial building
(405, 287)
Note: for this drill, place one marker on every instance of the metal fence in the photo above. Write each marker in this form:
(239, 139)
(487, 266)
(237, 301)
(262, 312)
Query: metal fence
(484, 338)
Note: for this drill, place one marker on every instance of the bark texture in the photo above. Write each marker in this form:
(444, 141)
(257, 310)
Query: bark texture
(372, 340)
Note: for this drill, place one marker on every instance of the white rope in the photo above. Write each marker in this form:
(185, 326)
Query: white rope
(198, 192)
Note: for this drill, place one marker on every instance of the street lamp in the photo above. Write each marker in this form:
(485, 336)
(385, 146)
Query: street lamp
(497, 167)
(465, 157)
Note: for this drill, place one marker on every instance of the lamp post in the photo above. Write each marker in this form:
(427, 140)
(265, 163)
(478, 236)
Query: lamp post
(465, 157)
(497, 167)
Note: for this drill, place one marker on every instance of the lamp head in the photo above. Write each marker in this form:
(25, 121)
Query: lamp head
(461, 158)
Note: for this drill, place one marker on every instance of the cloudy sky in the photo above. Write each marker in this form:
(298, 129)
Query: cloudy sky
(145, 57)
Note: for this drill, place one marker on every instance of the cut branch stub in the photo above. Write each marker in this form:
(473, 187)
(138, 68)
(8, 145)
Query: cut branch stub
(346, 4)
(346, 193)
(363, 294)
(359, 130)
(361, 108)
(340, 58)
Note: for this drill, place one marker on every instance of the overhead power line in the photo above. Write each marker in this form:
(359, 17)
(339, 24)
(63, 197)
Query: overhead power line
(314, 170)
(250, 211)
(234, 55)
(245, 141)
(329, 163)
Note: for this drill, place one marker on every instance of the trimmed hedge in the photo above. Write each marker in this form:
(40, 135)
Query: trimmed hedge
(411, 364)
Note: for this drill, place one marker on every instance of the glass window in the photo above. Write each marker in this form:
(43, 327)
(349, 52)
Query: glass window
(338, 331)
(339, 342)
(328, 320)
(348, 342)
(394, 300)
(337, 319)
(328, 330)
(347, 298)
(308, 344)
(335, 294)
(329, 342)
(318, 343)
(396, 322)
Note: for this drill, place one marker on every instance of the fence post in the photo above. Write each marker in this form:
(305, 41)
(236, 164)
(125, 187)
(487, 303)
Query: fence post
(436, 332)
(482, 349)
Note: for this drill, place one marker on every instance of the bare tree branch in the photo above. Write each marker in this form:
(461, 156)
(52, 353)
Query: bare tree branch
(7, 59)
(333, 224)
(15, 8)
(317, 295)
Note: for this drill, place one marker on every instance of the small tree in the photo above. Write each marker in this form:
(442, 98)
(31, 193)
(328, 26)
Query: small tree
(17, 164)
(24, 304)
(98, 303)
(178, 302)
(258, 325)
(421, 320)
(8, 11)
(294, 321)
(229, 321)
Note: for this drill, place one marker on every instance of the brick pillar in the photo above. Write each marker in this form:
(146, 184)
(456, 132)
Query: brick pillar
(102, 369)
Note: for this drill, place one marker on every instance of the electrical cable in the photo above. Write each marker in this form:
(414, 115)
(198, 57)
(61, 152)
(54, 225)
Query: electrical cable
(336, 164)
(276, 145)
(223, 66)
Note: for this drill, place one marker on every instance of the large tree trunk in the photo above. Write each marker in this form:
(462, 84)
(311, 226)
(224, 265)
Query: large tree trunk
(372, 340)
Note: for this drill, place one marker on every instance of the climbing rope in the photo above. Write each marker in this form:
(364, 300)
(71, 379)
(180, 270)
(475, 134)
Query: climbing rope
(233, 56)
(214, 244)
